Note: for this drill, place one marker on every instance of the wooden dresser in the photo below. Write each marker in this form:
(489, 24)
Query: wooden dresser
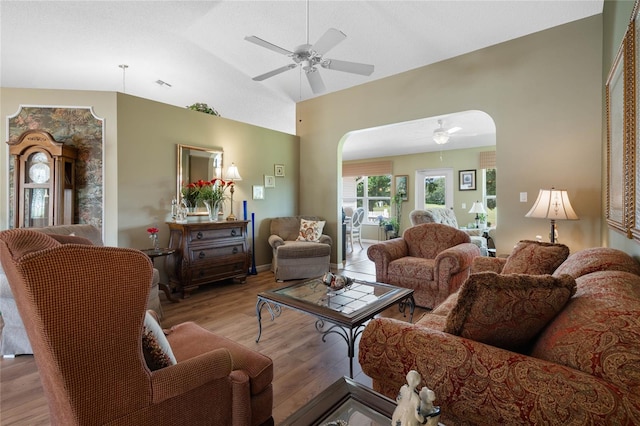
(207, 252)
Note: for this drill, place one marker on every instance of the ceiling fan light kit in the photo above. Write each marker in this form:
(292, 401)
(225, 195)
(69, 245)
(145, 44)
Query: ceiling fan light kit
(441, 135)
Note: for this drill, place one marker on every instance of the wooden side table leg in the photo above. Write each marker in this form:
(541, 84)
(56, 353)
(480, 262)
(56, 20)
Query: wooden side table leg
(167, 292)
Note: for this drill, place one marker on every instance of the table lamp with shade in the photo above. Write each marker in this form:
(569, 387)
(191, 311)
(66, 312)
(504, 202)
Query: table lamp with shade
(478, 209)
(232, 175)
(553, 204)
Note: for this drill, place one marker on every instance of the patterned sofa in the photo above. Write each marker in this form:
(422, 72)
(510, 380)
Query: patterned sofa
(13, 339)
(583, 368)
(448, 217)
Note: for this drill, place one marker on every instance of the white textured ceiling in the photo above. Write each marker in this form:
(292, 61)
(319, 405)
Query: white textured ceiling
(198, 46)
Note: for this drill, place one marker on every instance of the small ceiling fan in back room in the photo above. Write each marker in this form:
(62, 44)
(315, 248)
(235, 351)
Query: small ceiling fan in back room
(309, 57)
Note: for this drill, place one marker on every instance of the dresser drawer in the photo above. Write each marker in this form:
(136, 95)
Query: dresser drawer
(214, 272)
(206, 235)
(208, 253)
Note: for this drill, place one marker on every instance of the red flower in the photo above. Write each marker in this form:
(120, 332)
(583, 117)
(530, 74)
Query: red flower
(153, 230)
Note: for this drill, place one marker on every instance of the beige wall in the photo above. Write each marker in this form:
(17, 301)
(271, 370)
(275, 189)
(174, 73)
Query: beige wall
(140, 161)
(544, 93)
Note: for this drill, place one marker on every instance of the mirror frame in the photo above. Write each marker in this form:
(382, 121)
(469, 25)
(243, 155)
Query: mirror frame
(181, 150)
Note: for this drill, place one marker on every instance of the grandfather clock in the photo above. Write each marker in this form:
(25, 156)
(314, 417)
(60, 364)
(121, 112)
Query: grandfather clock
(44, 180)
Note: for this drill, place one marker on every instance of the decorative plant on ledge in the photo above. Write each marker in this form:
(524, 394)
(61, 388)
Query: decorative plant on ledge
(203, 108)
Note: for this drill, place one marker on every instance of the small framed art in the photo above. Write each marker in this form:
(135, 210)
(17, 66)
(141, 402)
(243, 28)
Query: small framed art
(467, 180)
(269, 181)
(258, 192)
(279, 170)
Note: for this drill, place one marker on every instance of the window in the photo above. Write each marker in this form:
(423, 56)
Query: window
(371, 192)
(489, 194)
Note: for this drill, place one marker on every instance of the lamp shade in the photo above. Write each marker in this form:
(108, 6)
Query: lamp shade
(441, 137)
(232, 173)
(553, 204)
(477, 207)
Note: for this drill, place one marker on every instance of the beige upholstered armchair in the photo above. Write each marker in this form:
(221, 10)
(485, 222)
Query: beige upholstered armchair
(14, 339)
(433, 259)
(88, 326)
(297, 254)
(448, 217)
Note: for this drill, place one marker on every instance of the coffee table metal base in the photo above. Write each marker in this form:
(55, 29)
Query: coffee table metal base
(348, 330)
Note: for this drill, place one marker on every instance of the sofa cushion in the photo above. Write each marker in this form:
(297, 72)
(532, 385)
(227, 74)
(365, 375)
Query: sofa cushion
(415, 267)
(598, 259)
(598, 332)
(302, 250)
(535, 258)
(155, 346)
(508, 311)
(310, 230)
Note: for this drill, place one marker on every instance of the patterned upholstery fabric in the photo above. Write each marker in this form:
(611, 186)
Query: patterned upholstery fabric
(582, 369)
(14, 339)
(448, 217)
(535, 258)
(297, 259)
(508, 311)
(88, 350)
(432, 259)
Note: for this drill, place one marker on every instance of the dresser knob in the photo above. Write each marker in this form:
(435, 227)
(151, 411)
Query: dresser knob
(235, 250)
(233, 232)
(199, 235)
(201, 255)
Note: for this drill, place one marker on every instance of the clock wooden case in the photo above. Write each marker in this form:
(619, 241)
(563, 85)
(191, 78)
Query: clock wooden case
(44, 180)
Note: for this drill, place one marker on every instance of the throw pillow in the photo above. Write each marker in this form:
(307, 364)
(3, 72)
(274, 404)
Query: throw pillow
(155, 346)
(70, 239)
(535, 258)
(310, 230)
(508, 311)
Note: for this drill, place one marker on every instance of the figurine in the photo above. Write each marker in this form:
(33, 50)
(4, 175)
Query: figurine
(415, 409)
(407, 413)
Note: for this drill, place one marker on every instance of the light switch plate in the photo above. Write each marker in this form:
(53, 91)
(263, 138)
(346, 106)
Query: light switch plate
(523, 197)
(464, 205)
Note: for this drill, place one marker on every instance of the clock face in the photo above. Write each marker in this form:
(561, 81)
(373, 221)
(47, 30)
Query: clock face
(39, 172)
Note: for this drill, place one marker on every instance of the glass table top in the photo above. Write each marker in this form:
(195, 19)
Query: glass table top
(346, 301)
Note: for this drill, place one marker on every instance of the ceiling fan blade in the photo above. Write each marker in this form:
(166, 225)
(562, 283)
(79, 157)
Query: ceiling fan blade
(328, 41)
(270, 46)
(315, 81)
(454, 129)
(345, 66)
(274, 72)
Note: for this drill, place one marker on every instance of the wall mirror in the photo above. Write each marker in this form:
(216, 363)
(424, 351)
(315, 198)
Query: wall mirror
(197, 163)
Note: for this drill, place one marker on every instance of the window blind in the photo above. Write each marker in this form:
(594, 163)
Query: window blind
(373, 168)
(488, 160)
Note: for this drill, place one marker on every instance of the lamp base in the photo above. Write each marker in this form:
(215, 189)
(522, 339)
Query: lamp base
(231, 217)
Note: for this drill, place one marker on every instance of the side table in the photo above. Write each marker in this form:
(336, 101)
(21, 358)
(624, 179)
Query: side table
(161, 252)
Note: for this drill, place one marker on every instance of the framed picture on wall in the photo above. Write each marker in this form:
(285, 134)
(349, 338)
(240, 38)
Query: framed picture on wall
(402, 186)
(467, 180)
(279, 170)
(258, 192)
(269, 181)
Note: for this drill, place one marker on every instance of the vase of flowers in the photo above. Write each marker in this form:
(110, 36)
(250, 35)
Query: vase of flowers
(212, 194)
(153, 235)
(190, 194)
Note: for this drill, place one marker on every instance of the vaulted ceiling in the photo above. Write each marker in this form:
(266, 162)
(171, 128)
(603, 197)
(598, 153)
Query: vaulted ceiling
(199, 49)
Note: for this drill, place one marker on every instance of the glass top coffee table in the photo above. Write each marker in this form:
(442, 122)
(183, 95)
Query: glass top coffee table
(347, 401)
(347, 309)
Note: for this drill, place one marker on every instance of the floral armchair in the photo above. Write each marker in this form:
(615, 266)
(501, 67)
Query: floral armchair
(432, 259)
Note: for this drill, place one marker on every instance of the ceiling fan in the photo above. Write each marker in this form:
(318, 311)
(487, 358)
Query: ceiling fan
(442, 135)
(309, 57)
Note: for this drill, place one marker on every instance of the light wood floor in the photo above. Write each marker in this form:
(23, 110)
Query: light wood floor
(303, 364)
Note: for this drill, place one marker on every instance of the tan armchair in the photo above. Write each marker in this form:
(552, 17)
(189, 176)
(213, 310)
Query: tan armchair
(86, 306)
(294, 259)
(432, 259)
